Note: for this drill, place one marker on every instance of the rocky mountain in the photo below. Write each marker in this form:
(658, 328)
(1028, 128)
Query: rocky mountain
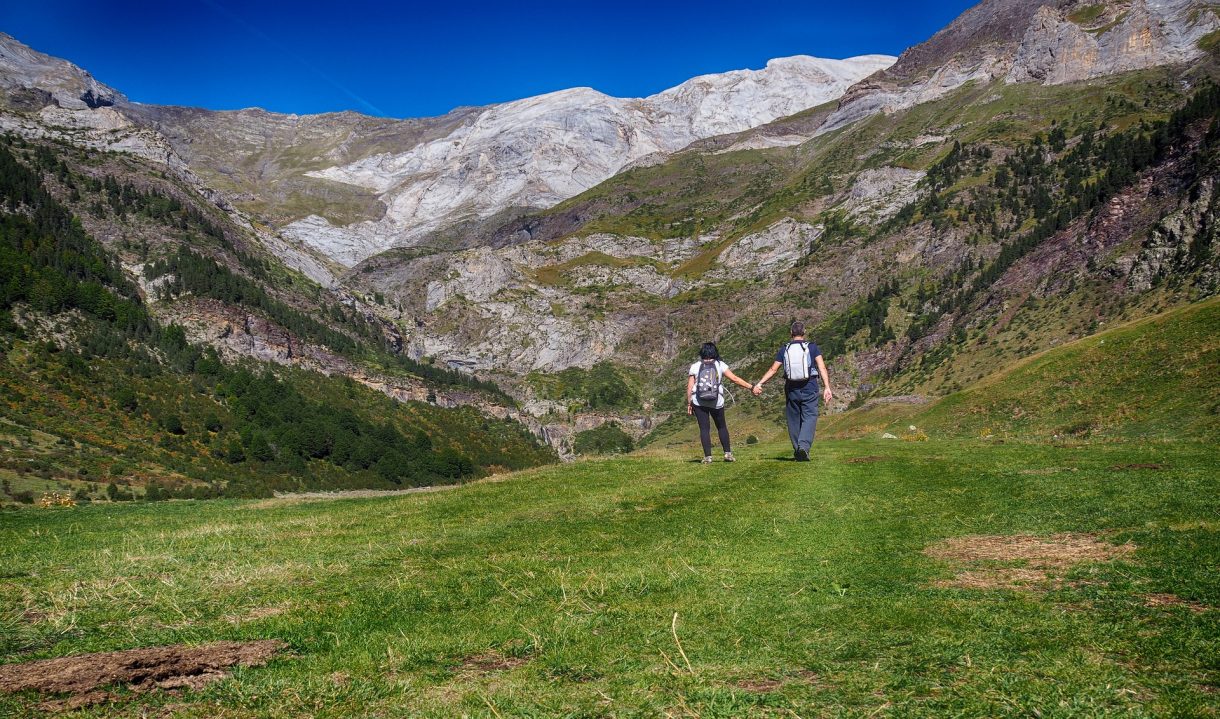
(748, 228)
(536, 152)
(1026, 175)
(32, 80)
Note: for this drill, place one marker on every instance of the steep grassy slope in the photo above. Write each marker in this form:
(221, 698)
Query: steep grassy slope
(655, 586)
(1153, 378)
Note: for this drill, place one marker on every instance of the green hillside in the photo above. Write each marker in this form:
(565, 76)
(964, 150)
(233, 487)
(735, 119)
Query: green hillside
(884, 578)
(1155, 378)
(101, 397)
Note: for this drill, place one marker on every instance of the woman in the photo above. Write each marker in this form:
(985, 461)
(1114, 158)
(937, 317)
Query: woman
(709, 373)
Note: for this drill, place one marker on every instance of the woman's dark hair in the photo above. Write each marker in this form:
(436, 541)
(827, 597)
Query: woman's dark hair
(708, 351)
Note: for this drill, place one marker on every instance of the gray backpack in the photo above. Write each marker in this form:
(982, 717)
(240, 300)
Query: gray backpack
(707, 384)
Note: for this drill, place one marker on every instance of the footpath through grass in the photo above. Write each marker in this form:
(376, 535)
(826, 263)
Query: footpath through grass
(800, 589)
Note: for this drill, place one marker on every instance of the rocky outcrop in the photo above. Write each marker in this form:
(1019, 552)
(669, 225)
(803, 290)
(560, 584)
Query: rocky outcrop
(1185, 242)
(1049, 42)
(879, 193)
(30, 81)
(767, 253)
(1124, 36)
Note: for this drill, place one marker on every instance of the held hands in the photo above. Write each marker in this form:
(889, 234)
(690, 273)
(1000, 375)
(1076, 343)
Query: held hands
(758, 389)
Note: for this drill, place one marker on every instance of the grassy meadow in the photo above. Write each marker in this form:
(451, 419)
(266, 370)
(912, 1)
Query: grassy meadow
(798, 589)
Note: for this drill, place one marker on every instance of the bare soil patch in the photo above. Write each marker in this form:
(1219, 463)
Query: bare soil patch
(865, 460)
(1173, 600)
(173, 667)
(759, 686)
(765, 686)
(490, 662)
(1019, 561)
(1139, 465)
(257, 613)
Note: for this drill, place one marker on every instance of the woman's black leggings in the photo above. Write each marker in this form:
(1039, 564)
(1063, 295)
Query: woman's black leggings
(706, 416)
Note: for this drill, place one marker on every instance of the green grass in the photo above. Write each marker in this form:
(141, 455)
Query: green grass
(556, 275)
(811, 575)
(1087, 15)
(1210, 42)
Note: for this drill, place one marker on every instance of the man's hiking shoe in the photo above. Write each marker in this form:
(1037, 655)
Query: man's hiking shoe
(801, 455)
(728, 457)
(707, 459)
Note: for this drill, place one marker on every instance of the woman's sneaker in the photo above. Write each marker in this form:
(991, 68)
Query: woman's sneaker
(707, 459)
(728, 457)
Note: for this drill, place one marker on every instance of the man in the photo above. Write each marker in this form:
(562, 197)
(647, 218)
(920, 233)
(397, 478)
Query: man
(798, 358)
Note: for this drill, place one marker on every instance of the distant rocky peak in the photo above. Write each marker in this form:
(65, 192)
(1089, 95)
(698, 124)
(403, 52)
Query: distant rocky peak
(1049, 42)
(992, 27)
(30, 80)
(1055, 41)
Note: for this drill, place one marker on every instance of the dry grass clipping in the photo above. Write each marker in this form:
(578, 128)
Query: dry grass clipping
(490, 662)
(1019, 561)
(1173, 600)
(172, 667)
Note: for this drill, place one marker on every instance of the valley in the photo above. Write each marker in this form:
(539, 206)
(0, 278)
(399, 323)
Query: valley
(240, 348)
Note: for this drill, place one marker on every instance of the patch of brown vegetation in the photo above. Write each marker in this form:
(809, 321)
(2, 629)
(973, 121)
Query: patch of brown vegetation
(865, 460)
(1019, 561)
(1173, 600)
(765, 686)
(759, 686)
(257, 613)
(1139, 465)
(490, 662)
(173, 667)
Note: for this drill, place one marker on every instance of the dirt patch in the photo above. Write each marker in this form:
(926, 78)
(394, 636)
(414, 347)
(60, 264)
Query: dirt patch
(257, 613)
(865, 460)
(1141, 465)
(490, 662)
(766, 686)
(759, 686)
(173, 667)
(1019, 561)
(1173, 600)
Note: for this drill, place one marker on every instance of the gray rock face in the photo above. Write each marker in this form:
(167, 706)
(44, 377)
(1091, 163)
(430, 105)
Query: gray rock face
(878, 194)
(1183, 242)
(767, 253)
(1145, 33)
(29, 77)
(1020, 41)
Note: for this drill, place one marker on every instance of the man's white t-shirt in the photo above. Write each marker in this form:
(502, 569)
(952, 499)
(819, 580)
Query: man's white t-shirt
(721, 368)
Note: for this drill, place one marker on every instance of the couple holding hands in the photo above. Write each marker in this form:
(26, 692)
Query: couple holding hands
(802, 363)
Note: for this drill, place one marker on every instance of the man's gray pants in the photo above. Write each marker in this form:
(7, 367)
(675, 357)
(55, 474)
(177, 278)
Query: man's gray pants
(802, 413)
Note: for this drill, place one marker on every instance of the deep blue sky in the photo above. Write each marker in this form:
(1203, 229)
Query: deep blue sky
(411, 60)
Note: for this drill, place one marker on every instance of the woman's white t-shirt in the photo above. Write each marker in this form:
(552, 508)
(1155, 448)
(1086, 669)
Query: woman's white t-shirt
(721, 368)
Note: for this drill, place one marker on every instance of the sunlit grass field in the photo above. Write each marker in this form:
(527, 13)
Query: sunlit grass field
(654, 586)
